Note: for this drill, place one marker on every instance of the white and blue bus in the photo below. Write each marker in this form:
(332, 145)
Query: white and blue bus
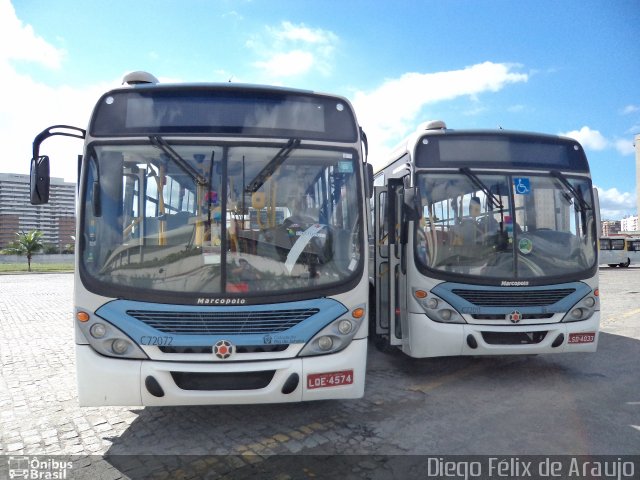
(485, 244)
(220, 253)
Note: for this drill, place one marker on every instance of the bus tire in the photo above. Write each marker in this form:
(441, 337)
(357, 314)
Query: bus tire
(626, 264)
(613, 265)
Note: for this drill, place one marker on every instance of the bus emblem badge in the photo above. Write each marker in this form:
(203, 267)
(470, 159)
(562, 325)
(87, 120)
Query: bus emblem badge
(515, 316)
(223, 349)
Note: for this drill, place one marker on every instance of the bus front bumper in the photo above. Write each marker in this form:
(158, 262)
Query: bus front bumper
(110, 381)
(432, 339)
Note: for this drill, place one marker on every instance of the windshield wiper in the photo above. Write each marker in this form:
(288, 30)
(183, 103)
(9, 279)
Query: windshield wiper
(273, 165)
(582, 205)
(161, 143)
(495, 201)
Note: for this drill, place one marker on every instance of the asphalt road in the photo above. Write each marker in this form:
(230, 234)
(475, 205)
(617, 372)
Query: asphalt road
(572, 404)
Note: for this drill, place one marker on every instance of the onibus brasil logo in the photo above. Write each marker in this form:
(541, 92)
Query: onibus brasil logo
(39, 468)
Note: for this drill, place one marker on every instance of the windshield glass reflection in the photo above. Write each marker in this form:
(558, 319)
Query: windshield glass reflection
(502, 226)
(221, 219)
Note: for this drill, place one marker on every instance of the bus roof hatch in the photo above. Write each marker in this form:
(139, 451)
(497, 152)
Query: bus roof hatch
(136, 78)
(433, 125)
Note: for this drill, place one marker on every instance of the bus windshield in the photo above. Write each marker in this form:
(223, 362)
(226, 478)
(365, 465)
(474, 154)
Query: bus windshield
(500, 226)
(219, 219)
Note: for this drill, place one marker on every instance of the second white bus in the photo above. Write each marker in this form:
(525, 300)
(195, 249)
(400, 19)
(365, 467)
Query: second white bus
(485, 244)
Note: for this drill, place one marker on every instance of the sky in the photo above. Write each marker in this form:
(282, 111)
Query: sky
(568, 67)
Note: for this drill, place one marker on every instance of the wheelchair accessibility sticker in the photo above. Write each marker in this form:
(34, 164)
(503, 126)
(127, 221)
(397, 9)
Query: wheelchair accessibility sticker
(522, 185)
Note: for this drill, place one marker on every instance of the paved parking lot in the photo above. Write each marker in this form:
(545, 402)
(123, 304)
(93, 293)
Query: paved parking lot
(548, 404)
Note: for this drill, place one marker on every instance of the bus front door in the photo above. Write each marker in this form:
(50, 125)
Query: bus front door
(389, 275)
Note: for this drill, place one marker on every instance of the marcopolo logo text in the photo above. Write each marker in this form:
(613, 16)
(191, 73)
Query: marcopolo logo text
(221, 301)
(509, 283)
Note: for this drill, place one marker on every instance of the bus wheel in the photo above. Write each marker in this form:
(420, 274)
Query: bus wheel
(613, 265)
(626, 264)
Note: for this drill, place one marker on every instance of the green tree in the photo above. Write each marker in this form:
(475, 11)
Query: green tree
(49, 248)
(26, 244)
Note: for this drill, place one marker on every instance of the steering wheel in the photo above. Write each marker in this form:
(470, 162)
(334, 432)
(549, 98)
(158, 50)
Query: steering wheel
(301, 218)
(290, 231)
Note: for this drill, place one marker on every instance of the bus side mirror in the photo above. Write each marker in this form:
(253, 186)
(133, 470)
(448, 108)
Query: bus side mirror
(369, 179)
(39, 181)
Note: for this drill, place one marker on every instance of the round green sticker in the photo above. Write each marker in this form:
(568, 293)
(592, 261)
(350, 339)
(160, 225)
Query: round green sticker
(525, 246)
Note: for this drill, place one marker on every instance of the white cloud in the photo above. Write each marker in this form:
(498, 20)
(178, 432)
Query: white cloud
(594, 140)
(629, 109)
(293, 50)
(633, 130)
(33, 106)
(391, 111)
(300, 33)
(20, 42)
(614, 204)
(624, 146)
(233, 15)
(28, 106)
(287, 64)
(588, 138)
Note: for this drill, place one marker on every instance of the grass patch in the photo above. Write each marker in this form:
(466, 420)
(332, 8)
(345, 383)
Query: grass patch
(35, 267)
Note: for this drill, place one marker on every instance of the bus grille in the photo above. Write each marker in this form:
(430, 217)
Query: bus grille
(513, 338)
(223, 381)
(202, 323)
(524, 298)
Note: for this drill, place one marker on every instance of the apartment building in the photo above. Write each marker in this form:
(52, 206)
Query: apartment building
(609, 227)
(56, 220)
(629, 224)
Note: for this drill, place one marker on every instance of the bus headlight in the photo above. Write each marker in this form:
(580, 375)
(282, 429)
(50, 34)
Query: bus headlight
(584, 309)
(119, 346)
(98, 330)
(106, 339)
(337, 335)
(437, 309)
(345, 327)
(325, 343)
(445, 314)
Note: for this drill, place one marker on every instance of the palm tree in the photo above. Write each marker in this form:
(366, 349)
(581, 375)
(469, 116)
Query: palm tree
(26, 244)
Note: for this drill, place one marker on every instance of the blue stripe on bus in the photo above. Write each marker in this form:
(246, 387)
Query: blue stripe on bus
(329, 310)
